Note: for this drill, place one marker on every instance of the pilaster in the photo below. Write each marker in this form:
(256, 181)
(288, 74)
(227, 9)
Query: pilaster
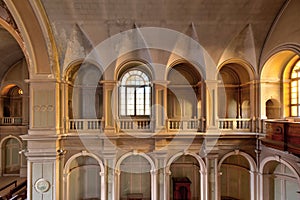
(43, 153)
(160, 104)
(212, 104)
(212, 177)
(110, 105)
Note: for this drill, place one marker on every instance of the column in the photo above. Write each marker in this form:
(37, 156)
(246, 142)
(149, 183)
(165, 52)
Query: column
(109, 162)
(116, 193)
(203, 107)
(25, 111)
(161, 187)
(160, 105)
(212, 104)
(110, 105)
(66, 107)
(253, 105)
(212, 177)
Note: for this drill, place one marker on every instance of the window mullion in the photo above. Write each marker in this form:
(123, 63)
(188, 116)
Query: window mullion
(144, 100)
(126, 112)
(135, 96)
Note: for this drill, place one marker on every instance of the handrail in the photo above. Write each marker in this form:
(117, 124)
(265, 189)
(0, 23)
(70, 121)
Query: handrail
(9, 184)
(17, 189)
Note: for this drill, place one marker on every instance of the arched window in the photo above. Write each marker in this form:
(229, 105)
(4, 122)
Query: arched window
(295, 90)
(135, 94)
(11, 157)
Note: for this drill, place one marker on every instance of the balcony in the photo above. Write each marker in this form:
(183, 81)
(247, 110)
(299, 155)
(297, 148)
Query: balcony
(283, 135)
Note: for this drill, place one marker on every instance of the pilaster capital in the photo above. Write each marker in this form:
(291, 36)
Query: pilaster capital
(109, 82)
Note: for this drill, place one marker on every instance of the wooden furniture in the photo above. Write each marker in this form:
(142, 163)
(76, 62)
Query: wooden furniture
(181, 188)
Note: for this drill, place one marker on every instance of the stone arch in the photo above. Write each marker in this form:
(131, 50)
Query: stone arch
(282, 161)
(253, 169)
(278, 159)
(84, 87)
(153, 173)
(203, 173)
(186, 92)
(41, 58)
(236, 87)
(275, 71)
(134, 63)
(2, 142)
(245, 64)
(67, 168)
(272, 109)
(197, 71)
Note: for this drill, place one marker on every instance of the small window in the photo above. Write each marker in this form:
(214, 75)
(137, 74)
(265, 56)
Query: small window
(295, 91)
(135, 94)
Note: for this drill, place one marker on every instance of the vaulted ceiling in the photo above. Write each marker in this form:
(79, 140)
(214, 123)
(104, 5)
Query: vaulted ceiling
(214, 23)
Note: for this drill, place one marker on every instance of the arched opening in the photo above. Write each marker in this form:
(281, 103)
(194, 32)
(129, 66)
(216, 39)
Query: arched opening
(12, 101)
(84, 180)
(84, 97)
(276, 83)
(185, 95)
(85, 92)
(11, 159)
(135, 178)
(234, 90)
(235, 104)
(185, 178)
(135, 97)
(235, 178)
(272, 109)
(279, 182)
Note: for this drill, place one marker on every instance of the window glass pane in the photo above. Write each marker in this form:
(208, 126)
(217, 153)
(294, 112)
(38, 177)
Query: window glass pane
(135, 93)
(293, 101)
(147, 100)
(122, 97)
(140, 101)
(295, 90)
(294, 111)
(130, 101)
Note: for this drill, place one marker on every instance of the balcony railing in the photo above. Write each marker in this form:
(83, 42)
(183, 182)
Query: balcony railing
(85, 124)
(233, 124)
(11, 121)
(186, 124)
(134, 124)
(172, 125)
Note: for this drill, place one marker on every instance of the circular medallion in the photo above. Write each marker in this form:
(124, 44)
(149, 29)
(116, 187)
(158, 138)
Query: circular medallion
(42, 185)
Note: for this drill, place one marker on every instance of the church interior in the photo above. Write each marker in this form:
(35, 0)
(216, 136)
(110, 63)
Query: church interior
(150, 100)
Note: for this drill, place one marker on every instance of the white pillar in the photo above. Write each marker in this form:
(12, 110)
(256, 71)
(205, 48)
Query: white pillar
(203, 185)
(154, 174)
(212, 104)
(167, 174)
